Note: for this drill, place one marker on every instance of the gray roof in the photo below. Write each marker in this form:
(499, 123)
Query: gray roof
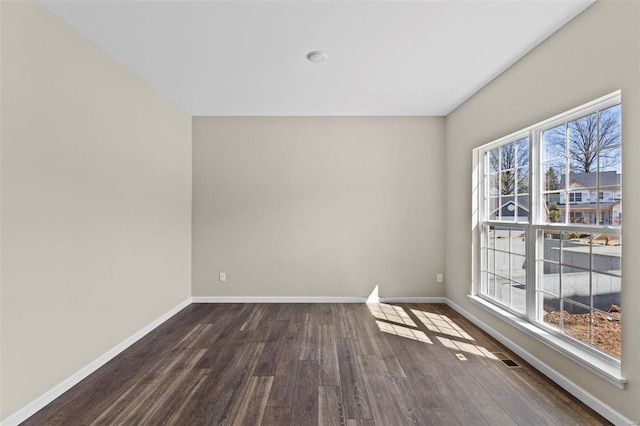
(611, 178)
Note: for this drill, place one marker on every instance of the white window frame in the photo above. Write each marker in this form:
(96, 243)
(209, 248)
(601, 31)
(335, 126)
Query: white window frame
(605, 366)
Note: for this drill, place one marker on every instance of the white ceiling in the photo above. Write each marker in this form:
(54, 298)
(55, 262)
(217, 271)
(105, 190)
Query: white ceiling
(385, 57)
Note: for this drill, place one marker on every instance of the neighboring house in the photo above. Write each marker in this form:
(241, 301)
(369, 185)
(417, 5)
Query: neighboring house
(508, 210)
(586, 195)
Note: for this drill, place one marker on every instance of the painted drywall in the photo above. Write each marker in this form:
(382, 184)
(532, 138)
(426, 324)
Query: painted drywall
(318, 206)
(595, 54)
(95, 192)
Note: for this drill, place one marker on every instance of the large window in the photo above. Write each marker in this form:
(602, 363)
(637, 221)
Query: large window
(550, 240)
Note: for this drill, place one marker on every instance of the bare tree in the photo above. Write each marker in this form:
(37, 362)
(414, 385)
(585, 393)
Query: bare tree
(512, 157)
(586, 138)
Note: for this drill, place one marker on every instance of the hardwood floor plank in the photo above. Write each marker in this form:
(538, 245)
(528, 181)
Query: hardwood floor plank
(305, 403)
(492, 412)
(310, 336)
(382, 348)
(355, 320)
(251, 406)
(422, 383)
(329, 370)
(519, 411)
(232, 388)
(276, 416)
(353, 389)
(284, 382)
(566, 404)
(461, 405)
(383, 408)
(330, 406)
(202, 336)
(547, 411)
(410, 408)
(180, 413)
(360, 422)
(274, 344)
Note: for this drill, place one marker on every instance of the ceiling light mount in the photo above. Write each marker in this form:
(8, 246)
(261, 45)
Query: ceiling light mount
(317, 57)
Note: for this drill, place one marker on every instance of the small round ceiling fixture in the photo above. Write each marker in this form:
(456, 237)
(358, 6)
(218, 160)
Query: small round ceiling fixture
(317, 57)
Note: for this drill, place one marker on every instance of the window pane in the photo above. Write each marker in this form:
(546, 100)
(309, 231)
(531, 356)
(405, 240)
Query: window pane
(551, 309)
(518, 243)
(491, 260)
(522, 152)
(502, 290)
(576, 250)
(610, 160)
(494, 160)
(607, 335)
(519, 297)
(502, 264)
(576, 285)
(523, 180)
(491, 286)
(582, 137)
(494, 208)
(508, 154)
(491, 237)
(508, 208)
(606, 291)
(553, 143)
(582, 165)
(508, 182)
(551, 245)
(518, 271)
(607, 253)
(609, 126)
(554, 209)
(494, 184)
(554, 175)
(576, 322)
(550, 278)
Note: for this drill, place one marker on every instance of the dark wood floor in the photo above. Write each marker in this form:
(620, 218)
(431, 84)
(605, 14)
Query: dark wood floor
(316, 364)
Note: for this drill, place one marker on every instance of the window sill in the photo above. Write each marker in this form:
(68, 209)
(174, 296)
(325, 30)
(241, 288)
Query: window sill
(606, 370)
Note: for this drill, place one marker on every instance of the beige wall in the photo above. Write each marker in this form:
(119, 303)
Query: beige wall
(318, 206)
(96, 175)
(595, 54)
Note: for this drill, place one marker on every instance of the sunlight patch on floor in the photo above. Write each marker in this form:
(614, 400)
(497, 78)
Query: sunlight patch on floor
(441, 324)
(466, 347)
(391, 313)
(399, 330)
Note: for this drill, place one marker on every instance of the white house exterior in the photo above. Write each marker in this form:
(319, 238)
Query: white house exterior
(588, 198)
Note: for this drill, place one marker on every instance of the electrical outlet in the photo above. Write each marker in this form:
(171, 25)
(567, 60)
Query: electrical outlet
(223, 277)
(439, 278)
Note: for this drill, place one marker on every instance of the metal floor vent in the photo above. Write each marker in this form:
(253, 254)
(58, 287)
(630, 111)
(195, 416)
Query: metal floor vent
(509, 363)
(506, 360)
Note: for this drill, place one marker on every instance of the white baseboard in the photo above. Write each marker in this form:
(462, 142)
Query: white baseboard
(413, 299)
(251, 299)
(47, 397)
(603, 409)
